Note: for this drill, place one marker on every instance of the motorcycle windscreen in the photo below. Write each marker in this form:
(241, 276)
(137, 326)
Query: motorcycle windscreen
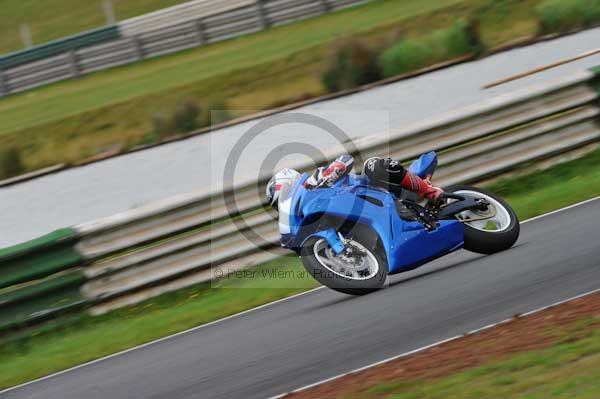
(424, 167)
(285, 205)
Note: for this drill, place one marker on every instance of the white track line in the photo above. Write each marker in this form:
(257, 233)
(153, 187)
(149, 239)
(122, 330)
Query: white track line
(561, 209)
(244, 313)
(412, 352)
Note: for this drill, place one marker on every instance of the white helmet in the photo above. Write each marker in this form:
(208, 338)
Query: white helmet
(283, 177)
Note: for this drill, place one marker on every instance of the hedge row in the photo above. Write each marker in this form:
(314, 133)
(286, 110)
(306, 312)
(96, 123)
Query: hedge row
(407, 55)
(185, 118)
(353, 63)
(11, 163)
(566, 15)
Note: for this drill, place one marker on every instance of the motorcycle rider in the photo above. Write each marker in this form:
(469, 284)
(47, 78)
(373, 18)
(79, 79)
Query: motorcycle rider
(382, 172)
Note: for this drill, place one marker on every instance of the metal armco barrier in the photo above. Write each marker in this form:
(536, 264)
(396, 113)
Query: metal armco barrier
(173, 243)
(40, 278)
(177, 14)
(187, 25)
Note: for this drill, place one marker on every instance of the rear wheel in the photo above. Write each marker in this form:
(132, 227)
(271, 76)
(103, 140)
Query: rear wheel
(360, 270)
(490, 231)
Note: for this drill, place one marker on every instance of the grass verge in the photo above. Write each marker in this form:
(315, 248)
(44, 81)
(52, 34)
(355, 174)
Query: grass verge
(60, 344)
(546, 190)
(551, 354)
(568, 370)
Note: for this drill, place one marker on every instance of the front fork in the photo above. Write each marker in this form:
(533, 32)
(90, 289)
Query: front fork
(334, 239)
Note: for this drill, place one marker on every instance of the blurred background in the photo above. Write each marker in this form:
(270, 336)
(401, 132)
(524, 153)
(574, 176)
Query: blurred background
(142, 103)
(117, 121)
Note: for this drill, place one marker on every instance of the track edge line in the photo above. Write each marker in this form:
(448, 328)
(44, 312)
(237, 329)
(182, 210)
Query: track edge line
(423, 348)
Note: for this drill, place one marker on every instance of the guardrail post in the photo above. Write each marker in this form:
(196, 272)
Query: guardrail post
(136, 45)
(72, 58)
(201, 31)
(3, 84)
(263, 18)
(326, 6)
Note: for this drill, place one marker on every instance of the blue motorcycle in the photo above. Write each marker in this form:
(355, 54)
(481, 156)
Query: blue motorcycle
(351, 235)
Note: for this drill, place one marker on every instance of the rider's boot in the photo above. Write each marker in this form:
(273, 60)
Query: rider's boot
(422, 187)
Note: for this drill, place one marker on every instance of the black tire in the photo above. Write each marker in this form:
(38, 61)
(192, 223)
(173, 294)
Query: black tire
(337, 282)
(489, 242)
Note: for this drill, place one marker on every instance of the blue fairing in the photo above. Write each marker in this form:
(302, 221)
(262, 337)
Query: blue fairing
(406, 243)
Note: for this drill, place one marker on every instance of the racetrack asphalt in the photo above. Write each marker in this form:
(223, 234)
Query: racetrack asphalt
(311, 337)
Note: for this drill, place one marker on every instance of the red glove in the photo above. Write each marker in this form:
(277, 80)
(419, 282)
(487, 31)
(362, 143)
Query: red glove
(326, 176)
(334, 171)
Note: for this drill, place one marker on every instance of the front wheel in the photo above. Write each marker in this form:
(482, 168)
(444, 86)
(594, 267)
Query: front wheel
(360, 270)
(491, 231)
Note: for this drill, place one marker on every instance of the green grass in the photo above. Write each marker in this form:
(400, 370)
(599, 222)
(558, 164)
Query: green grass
(60, 344)
(570, 369)
(495, 16)
(546, 190)
(53, 19)
(72, 120)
